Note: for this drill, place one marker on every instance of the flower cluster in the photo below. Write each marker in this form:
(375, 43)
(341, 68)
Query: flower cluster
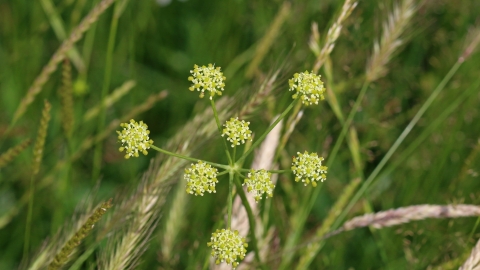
(201, 177)
(308, 87)
(228, 246)
(308, 168)
(134, 138)
(207, 78)
(258, 182)
(237, 131)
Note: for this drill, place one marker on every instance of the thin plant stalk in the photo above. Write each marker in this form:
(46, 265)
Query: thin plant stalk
(230, 199)
(63, 256)
(346, 126)
(251, 221)
(97, 157)
(431, 127)
(219, 126)
(225, 167)
(262, 137)
(397, 143)
(37, 161)
(59, 30)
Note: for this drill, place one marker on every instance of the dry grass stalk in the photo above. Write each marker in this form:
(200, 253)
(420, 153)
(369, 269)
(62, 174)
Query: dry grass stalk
(41, 136)
(110, 100)
(332, 35)
(407, 214)
(263, 160)
(125, 249)
(66, 98)
(175, 220)
(13, 152)
(268, 39)
(393, 28)
(259, 96)
(53, 246)
(473, 262)
(290, 127)
(58, 56)
(64, 255)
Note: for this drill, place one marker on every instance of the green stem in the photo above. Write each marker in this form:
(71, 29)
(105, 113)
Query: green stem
(279, 171)
(286, 135)
(397, 143)
(347, 124)
(251, 221)
(219, 126)
(225, 167)
(230, 199)
(272, 171)
(259, 140)
(26, 246)
(97, 157)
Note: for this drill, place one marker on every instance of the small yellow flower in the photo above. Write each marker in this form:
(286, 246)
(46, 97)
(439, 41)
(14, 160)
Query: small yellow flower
(237, 131)
(134, 138)
(228, 246)
(201, 177)
(308, 168)
(308, 87)
(258, 182)
(208, 78)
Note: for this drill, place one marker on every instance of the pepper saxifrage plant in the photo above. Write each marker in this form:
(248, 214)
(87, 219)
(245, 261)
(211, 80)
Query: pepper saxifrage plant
(227, 245)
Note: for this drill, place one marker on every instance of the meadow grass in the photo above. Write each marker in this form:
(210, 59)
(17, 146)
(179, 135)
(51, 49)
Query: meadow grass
(398, 130)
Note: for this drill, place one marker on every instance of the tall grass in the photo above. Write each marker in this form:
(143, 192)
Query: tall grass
(399, 133)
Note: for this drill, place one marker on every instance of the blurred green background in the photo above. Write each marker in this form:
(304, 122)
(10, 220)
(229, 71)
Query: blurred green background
(156, 45)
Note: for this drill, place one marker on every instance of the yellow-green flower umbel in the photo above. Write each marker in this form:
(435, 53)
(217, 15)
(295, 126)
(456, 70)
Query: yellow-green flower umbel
(258, 182)
(201, 177)
(207, 78)
(308, 87)
(228, 246)
(237, 131)
(308, 168)
(134, 138)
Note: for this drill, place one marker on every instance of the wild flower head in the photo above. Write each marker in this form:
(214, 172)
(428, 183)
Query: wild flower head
(259, 182)
(207, 78)
(228, 246)
(201, 177)
(308, 168)
(308, 87)
(134, 138)
(237, 131)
